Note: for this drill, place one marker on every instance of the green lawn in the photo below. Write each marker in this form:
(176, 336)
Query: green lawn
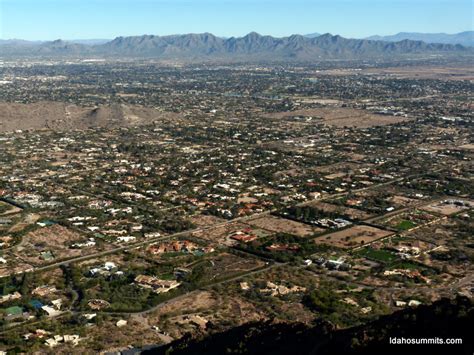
(167, 276)
(405, 225)
(384, 256)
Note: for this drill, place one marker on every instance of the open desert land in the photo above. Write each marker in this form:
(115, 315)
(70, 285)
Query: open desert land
(448, 207)
(353, 237)
(58, 116)
(342, 117)
(43, 245)
(227, 265)
(276, 224)
(403, 201)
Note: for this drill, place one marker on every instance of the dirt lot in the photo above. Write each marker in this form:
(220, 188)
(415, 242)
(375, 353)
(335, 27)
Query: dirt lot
(193, 302)
(276, 224)
(340, 117)
(353, 237)
(205, 220)
(55, 239)
(403, 201)
(447, 209)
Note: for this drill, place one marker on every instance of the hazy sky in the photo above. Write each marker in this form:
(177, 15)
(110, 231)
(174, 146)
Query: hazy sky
(81, 19)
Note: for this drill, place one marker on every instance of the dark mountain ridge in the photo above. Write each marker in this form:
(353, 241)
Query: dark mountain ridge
(253, 47)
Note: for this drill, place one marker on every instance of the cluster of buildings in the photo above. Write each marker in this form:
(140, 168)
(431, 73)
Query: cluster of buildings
(177, 246)
(155, 284)
(69, 339)
(280, 290)
(107, 270)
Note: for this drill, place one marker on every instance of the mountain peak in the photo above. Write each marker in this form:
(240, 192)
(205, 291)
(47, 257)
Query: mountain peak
(253, 35)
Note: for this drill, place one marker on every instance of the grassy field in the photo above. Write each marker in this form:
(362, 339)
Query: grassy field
(407, 265)
(383, 256)
(405, 225)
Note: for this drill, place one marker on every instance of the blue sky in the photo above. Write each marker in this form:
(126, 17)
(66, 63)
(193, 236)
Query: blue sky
(81, 19)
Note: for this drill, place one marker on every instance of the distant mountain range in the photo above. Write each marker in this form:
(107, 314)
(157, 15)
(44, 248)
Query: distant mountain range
(11, 42)
(464, 38)
(207, 47)
(24, 42)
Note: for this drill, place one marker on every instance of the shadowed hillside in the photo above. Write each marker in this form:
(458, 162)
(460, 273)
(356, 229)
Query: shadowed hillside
(443, 319)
